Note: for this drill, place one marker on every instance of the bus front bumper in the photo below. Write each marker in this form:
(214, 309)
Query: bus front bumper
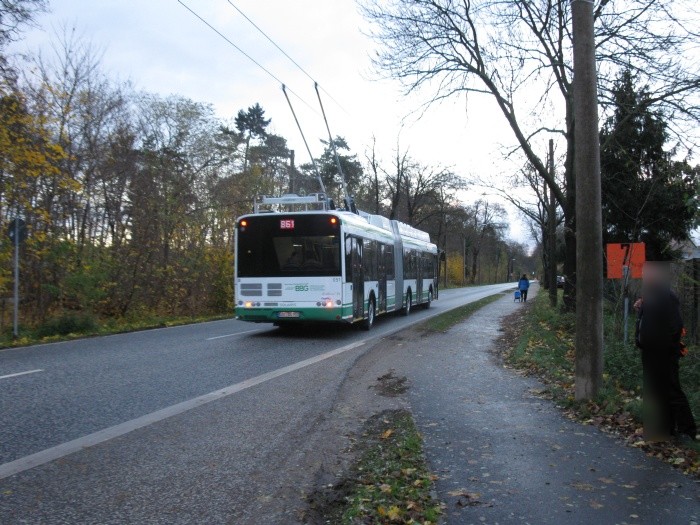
(293, 314)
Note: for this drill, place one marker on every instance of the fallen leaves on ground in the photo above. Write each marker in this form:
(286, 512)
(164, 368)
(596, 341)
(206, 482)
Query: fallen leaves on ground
(390, 483)
(560, 388)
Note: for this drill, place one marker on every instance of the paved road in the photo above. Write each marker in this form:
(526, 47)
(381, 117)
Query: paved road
(194, 415)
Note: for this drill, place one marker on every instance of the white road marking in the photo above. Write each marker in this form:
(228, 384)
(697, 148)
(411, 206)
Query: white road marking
(64, 449)
(237, 333)
(22, 373)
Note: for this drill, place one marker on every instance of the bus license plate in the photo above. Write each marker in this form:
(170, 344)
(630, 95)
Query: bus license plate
(288, 314)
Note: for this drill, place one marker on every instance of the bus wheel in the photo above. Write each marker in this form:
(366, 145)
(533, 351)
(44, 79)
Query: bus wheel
(427, 304)
(407, 308)
(371, 313)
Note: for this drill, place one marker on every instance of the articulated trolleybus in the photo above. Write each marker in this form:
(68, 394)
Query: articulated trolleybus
(314, 263)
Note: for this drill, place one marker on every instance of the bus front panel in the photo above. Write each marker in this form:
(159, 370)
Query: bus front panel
(289, 268)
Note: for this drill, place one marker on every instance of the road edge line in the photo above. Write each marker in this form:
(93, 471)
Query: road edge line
(64, 449)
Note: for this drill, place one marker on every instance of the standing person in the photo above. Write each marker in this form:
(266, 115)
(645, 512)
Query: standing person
(658, 335)
(523, 286)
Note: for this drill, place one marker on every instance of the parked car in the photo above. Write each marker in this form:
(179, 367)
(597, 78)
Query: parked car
(560, 281)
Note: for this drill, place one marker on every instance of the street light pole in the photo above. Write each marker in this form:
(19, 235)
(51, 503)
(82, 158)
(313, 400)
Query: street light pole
(15, 317)
(589, 241)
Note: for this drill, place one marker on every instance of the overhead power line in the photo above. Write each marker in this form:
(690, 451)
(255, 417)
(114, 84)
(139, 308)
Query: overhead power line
(230, 42)
(263, 33)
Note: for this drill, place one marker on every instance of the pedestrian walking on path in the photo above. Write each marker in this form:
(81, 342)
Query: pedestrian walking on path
(523, 286)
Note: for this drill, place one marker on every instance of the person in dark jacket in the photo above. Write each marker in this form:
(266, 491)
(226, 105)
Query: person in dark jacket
(658, 335)
(523, 286)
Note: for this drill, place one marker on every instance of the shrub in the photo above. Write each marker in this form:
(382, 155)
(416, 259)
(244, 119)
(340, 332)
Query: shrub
(68, 323)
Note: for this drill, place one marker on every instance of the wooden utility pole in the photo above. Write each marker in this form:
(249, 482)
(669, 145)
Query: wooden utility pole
(551, 232)
(589, 236)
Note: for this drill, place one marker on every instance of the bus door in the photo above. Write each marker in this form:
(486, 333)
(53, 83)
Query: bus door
(358, 280)
(419, 278)
(381, 256)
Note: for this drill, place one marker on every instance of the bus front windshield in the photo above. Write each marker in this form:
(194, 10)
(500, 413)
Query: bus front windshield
(288, 246)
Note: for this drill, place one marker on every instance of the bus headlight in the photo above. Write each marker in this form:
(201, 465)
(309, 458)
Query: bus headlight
(249, 304)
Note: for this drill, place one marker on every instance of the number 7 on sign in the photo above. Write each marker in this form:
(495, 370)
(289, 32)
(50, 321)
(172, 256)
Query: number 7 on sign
(632, 255)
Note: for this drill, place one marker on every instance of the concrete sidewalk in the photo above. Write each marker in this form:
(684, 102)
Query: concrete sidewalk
(503, 455)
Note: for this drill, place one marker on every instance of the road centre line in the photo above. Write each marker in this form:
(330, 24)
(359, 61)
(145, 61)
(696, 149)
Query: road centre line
(22, 373)
(237, 333)
(101, 436)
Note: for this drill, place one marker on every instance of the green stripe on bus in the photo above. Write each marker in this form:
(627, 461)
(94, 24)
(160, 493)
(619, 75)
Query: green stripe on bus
(271, 315)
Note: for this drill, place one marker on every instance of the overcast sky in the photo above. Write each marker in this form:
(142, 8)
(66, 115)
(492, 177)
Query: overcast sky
(161, 47)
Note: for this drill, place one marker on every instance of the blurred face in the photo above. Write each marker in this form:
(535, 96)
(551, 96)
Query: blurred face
(656, 274)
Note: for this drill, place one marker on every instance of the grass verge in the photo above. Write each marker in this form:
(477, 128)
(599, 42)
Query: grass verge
(389, 483)
(540, 341)
(68, 329)
(443, 322)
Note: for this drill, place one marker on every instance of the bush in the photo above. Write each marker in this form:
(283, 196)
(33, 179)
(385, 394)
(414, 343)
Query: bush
(68, 323)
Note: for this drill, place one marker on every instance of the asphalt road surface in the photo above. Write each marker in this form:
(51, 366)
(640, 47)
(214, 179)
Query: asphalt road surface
(173, 425)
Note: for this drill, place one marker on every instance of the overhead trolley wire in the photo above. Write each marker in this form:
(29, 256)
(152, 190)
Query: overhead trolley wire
(285, 89)
(313, 161)
(204, 21)
(332, 143)
(263, 33)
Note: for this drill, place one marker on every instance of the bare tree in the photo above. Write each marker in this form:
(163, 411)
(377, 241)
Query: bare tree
(374, 195)
(530, 195)
(485, 219)
(520, 54)
(15, 15)
(395, 179)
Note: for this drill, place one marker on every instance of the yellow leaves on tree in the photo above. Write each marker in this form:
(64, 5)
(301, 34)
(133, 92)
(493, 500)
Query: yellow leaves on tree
(27, 158)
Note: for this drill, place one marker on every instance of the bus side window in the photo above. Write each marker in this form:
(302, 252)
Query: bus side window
(348, 258)
(369, 260)
(381, 270)
(389, 261)
(413, 265)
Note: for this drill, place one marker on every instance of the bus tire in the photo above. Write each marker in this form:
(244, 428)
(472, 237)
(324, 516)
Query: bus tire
(368, 321)
(407, 309)
(427, 304)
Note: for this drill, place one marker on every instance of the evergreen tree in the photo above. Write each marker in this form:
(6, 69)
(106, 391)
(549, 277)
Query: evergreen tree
(251, 123)
(647, 196)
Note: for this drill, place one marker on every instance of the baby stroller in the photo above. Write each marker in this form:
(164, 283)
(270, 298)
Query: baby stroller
(516, 297)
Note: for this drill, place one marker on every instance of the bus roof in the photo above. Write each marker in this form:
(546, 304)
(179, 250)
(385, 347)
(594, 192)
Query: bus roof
(377, 224)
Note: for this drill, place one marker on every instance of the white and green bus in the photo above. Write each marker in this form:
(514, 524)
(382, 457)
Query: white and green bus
(328, 265)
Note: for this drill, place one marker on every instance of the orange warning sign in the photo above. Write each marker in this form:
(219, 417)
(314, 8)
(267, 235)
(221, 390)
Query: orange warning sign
(631, 254)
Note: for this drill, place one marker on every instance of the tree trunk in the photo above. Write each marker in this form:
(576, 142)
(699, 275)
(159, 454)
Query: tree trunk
(551, 234)
(569, 210)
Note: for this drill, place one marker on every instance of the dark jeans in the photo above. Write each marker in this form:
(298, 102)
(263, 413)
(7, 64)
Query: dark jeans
(666, 408)
(523, 296)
